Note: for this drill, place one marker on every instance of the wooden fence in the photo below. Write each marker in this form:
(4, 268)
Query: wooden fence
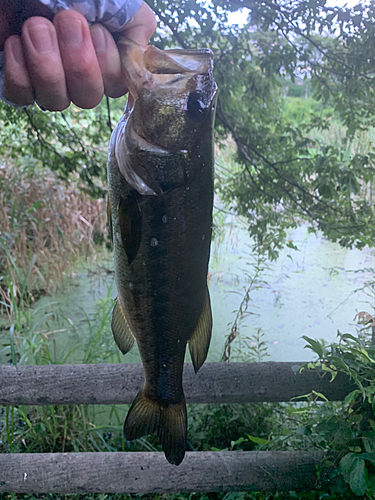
(144, 472)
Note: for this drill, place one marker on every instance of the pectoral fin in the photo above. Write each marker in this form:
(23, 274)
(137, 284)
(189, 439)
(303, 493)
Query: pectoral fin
(199, 341)
(130, 220)
(122, 333)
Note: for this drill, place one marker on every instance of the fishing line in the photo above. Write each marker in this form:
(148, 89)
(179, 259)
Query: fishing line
(109, 121)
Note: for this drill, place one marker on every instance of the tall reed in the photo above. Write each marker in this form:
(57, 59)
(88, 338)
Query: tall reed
(46, 223)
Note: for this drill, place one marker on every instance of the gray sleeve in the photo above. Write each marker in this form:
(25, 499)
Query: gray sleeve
(113, 14)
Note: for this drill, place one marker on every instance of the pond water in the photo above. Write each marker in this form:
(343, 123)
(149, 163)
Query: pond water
(314, 291)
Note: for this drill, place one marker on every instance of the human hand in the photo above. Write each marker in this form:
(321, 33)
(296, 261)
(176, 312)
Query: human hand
(56, 60)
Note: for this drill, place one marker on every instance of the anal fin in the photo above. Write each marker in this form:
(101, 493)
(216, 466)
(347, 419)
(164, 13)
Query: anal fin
(199, 341)
(121, 330)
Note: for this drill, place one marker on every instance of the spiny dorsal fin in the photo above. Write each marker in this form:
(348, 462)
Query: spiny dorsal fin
(122, 333)
(199, 341)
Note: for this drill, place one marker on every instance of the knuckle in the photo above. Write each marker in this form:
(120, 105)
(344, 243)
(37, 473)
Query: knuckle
(68, 15)
(149, 23)
(50, 79)
(82, 70)
(153, 25)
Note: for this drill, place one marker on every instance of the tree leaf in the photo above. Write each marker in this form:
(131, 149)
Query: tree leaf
(257, 440)
(354, 472)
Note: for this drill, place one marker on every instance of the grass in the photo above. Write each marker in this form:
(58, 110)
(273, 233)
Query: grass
(45, 226)
(299, 110)
(61, 428)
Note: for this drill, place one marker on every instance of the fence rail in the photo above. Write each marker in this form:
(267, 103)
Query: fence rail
(130, 472)
(119, 383)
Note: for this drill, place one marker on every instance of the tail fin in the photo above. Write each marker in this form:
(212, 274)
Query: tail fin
(168, 421)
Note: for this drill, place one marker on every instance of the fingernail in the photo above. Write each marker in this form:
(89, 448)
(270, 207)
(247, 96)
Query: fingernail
(41, 38)
(98, 38)
(17, 51)
(70, 32)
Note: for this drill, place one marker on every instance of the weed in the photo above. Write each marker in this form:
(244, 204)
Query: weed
(248, 348)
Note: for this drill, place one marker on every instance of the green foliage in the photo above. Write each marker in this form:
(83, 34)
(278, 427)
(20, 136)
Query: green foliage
(285, 173)
(250, 348)
(299, 110)
(230, 427)
(350, 432)
(72, 143)
(288, 168)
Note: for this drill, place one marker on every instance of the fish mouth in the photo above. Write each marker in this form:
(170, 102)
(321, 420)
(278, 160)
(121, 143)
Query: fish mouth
(148, 66)
(177, 61)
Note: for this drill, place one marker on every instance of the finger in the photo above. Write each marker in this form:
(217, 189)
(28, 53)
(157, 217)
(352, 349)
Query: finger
(12, 16)
(141, 26)
(4, 26)
(17, 86)
(44, 63)
(82, 71)
(109, 61)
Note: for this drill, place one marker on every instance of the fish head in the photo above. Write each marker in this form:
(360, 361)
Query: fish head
(176, 102)
(169, 115)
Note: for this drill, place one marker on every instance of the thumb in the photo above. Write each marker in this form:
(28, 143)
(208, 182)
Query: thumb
(141, 26)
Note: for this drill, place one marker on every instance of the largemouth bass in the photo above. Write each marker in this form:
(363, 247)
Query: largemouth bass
(160, 179)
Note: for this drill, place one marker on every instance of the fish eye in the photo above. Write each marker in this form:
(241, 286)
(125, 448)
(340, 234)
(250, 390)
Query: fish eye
(196, 108)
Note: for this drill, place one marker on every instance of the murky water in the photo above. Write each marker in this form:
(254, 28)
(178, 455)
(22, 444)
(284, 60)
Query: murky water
(314, 291)
(306, 292)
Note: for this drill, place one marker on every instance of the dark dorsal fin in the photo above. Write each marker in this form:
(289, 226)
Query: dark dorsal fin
(130, 220)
